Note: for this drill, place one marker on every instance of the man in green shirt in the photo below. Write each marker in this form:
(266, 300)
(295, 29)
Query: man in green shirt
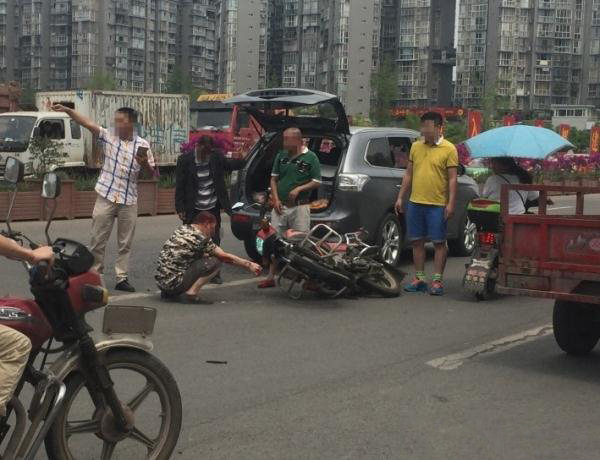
(296, 173)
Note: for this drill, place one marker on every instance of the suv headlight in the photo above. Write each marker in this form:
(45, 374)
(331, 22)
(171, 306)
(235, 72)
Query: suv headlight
(352, 182)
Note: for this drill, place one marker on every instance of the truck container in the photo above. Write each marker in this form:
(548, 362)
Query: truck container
(163, 121)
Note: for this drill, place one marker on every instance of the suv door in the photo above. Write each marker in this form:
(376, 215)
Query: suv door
(380, 192)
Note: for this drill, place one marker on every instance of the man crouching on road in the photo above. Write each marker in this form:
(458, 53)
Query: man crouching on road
(190, 259)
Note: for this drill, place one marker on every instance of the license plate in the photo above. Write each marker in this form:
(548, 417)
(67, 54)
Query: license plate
(259, 245)
(123, 319)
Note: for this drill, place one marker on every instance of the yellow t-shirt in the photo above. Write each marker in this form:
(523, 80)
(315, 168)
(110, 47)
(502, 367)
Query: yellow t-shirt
(430, 171)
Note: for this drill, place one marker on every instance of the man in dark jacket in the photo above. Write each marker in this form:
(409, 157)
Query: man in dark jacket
(200, 185)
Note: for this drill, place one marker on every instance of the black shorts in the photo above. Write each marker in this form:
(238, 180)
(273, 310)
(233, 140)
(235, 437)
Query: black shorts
(199, 269)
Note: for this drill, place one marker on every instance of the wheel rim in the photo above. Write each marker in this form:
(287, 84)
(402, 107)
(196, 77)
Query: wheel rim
(470, 235)
(391, 244)
(138, 440)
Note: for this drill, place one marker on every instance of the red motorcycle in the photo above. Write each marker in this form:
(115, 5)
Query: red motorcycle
(98, 398)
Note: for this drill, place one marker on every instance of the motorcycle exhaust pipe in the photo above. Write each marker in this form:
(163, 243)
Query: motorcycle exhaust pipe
(312, 269)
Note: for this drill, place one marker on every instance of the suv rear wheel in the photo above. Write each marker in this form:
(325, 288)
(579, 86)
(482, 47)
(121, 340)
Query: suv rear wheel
(391, 239)
(464, 245)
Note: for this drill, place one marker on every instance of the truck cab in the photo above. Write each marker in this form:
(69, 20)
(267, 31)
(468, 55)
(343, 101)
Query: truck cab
(18, 128)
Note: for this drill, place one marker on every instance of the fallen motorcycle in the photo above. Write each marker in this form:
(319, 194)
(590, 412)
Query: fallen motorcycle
(324, 261)
(98, 398)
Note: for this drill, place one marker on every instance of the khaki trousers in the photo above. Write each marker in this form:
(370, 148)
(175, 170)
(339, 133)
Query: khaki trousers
(103, 219)
(14, 350)
(296, 218)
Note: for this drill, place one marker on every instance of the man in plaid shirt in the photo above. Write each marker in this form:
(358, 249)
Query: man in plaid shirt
(125, 156)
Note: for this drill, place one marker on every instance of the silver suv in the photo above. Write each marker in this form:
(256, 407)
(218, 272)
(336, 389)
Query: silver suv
(362, 169)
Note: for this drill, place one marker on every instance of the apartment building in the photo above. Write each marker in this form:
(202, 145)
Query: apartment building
(242, 43)
(8, 40)
(532, 53)
(197, 42)
(426, 54)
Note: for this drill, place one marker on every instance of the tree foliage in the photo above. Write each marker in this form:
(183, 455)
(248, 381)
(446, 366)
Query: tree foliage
(179, 82)
(385, 87)
(102, 81)
(456, 132)
(45, 155)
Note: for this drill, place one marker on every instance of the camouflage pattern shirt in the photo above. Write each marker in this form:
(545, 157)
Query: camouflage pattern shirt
(184, 247)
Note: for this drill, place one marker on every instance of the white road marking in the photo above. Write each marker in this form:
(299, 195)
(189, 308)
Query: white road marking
(561, 207)
(145, 295)
(455, 360)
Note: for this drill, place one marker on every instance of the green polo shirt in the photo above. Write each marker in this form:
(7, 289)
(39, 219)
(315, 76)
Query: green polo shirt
(293, 172)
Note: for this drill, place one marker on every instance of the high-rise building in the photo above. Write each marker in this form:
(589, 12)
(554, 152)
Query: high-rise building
(8, 40)
(242, 43)
(426, 54)
(532, 53)
(197, 42)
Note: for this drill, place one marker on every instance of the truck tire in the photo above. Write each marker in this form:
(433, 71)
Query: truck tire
(575, 328)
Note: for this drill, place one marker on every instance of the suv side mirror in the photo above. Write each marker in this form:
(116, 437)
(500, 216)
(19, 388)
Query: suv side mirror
(14, 171)
(51, 186)
(37, 132)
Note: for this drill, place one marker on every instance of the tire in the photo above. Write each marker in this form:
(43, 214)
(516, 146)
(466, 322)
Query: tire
(464, 245)
(146, 365)
(575, 327)
(386, 285)
(390, 239)
(250, 247)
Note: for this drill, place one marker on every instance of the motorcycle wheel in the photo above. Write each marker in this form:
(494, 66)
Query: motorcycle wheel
(83, 431)
(384, 283)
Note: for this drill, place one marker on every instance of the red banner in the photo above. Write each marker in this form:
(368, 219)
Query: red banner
(564, 130)
(475, 123)
(540, 123)
(509, 120)
(595, 139)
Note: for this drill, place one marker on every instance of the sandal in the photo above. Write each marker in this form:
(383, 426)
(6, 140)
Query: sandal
(266, 284)
(190, 299)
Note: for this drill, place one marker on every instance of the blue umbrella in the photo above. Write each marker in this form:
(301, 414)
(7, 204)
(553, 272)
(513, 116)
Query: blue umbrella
(518, 141)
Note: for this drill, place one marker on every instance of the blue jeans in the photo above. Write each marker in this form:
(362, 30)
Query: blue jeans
(424, 221)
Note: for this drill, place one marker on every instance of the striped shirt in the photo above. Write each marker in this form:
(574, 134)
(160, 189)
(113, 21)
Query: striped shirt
(118, 179)
(207, 196)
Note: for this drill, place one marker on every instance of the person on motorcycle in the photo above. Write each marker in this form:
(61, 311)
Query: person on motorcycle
(14, 346)
(507, 171)
(190, 259)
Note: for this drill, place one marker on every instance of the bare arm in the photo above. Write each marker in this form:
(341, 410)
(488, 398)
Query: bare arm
(406, 183)
(11, 249)
(235, 260)
(78, 118)
(452, 187)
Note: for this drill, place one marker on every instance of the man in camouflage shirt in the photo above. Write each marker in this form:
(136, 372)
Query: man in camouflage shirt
(190, 259)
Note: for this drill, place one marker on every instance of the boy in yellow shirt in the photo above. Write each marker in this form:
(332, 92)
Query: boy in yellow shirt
(433, 175)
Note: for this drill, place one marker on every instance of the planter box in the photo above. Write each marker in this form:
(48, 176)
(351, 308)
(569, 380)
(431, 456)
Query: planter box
(83, 203)
(28, 205)
(147, 197)
(590, 182)
(166, 201)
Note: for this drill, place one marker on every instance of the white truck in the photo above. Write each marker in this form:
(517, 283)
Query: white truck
(163, 121)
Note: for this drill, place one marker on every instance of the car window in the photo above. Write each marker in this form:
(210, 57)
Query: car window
(400, 149)
(52, 129)
(75, 130)
(379, 154)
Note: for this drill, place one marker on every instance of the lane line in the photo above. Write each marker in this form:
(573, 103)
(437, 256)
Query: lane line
(145, 295)
(560, 207)
(455, 360)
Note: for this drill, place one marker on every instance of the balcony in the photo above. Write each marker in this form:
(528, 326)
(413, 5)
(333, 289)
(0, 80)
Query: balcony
(446, 57)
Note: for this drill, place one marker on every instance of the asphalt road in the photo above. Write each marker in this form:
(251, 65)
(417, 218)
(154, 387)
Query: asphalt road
(410, 378)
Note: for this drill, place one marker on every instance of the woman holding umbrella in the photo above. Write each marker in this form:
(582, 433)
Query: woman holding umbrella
(507, 171)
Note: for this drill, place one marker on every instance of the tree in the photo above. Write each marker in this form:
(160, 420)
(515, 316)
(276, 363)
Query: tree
(179, 82)
(456, 132)
(580, 139)
(488, 104)
(45, 155)
(385, 88)
(361, 120)
(412, 122)
(102, 81)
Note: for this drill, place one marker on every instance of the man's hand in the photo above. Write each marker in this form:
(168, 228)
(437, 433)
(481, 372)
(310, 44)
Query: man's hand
(277, 206)
(142, 156)
(60, 108)
(255, 269)
(449, 211)
(40, 254)
(399, 206)
(293, 195)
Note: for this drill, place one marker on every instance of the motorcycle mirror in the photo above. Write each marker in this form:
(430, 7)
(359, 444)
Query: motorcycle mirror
(51, 186)
(50, 191)
(14, 171)
(461, 170)
(237, 207)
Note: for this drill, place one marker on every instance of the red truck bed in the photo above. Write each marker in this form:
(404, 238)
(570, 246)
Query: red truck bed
(552, 256)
